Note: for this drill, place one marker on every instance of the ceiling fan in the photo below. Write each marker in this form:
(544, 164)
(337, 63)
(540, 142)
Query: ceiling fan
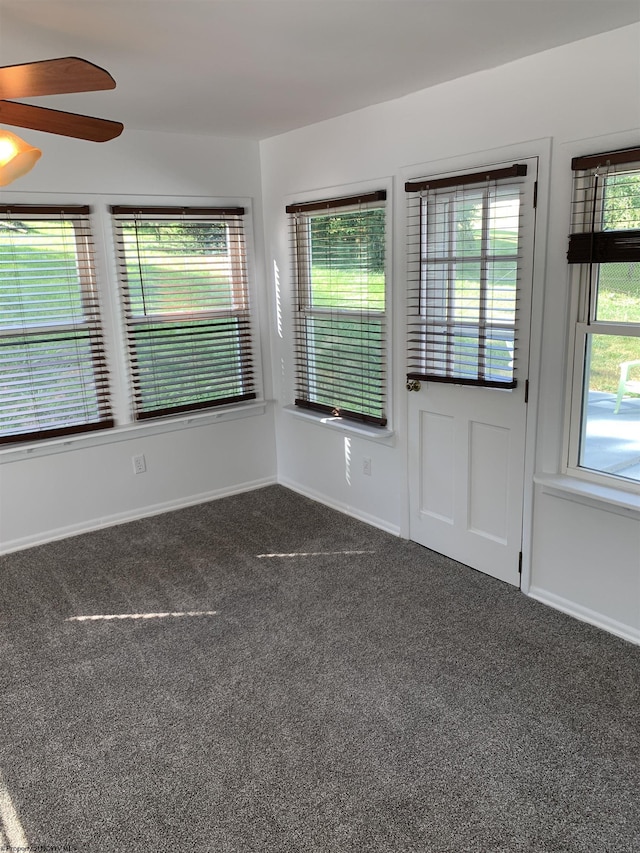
(48, 77)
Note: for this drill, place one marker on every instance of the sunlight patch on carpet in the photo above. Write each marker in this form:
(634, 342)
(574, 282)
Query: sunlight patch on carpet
(107, 616)
(314, 554)
(11, 832)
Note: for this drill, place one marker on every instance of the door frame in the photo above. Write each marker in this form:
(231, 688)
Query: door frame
(540, 148)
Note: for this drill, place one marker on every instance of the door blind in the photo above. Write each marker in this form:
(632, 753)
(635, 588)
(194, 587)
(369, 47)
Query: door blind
(338, 259)
(53, 371)
(464, 252)
(183, 277)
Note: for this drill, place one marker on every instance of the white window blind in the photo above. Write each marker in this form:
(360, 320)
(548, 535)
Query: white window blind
(183, 277)
(464, 253)
(338, 260)
(53, 372)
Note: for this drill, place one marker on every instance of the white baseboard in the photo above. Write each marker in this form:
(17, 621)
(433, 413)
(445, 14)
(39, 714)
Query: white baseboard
(42, 538)
(584, 614)
(373, 520)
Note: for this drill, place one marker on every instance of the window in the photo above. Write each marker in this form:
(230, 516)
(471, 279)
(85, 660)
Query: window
(604, 252)
(53, 375)
(187, 324)
(339, 314)
(464, 258)
(183, 278)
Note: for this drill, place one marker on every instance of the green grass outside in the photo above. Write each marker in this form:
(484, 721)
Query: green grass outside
(41, 285)
(339, 288)
(619, 301)
(38, 286)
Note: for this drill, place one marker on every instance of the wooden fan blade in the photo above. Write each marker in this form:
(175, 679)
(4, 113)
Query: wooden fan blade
(53, 77)
(56, 121)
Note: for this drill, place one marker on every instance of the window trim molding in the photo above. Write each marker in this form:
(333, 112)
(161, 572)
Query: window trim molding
(598, 495)
(378, 434)
(138, 430)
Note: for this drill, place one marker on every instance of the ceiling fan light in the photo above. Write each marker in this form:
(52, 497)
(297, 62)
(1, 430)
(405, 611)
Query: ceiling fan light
(17, 157)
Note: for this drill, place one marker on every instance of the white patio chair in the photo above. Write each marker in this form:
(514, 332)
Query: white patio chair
(628, 384)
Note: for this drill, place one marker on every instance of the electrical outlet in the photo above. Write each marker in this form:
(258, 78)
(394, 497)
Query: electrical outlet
(139, 464)
(366, 465)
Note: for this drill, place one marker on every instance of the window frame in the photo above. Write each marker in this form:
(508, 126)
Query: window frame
(300, 266)
(233, 219)
(423, 358)
(583, 313)
(89, 326)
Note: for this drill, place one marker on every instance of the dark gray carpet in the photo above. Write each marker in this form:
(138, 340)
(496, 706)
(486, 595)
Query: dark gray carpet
(356, 693)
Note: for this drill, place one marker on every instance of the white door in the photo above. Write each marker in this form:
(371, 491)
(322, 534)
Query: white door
(467, 441)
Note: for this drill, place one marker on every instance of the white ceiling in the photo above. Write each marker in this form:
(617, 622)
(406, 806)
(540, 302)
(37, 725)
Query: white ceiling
(256, 68)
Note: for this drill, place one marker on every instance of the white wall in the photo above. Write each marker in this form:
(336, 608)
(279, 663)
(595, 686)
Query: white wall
(63, 487)
(569, 99)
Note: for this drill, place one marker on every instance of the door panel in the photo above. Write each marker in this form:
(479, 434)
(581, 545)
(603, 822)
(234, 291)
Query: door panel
(467, 450)
(467, 469)
(437, 451)
(488, 480)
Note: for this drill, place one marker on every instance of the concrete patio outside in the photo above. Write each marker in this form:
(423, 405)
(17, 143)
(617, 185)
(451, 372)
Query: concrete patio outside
(612, 442)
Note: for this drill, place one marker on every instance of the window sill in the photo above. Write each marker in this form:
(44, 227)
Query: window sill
(129, 432)
(372, 433)
(590, 494)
